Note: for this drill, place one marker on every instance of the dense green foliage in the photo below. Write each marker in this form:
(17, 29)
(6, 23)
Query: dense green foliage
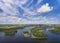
(10, 32)
(37, 32)
(26, 34)
(56, 28)
(12, 27)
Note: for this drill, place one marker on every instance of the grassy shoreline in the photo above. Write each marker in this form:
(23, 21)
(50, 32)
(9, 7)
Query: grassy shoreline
(12, 27)
(55, 31)
(37, 33)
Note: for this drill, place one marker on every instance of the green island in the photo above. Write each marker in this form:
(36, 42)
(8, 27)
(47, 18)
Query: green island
(26, 34)
(39, 36)
(10, 32)
(37, 33)
(56, 30)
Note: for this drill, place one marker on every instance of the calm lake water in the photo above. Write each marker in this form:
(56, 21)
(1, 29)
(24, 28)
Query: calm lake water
(19, 38)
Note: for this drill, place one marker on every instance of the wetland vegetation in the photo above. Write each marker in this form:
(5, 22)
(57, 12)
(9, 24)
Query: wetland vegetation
(26, 34)
(12, 26)
(37, 32)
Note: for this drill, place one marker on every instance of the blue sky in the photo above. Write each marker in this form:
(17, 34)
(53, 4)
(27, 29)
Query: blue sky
(29, 11)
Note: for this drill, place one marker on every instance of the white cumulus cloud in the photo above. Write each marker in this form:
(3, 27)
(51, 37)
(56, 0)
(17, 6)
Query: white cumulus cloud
(45, 8)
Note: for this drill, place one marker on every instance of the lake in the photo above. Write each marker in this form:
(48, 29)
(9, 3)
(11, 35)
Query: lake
(16, 36)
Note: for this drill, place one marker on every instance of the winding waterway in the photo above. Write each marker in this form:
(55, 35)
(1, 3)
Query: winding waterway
(19, 38)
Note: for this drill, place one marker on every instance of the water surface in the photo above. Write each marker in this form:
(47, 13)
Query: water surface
(18, 37)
